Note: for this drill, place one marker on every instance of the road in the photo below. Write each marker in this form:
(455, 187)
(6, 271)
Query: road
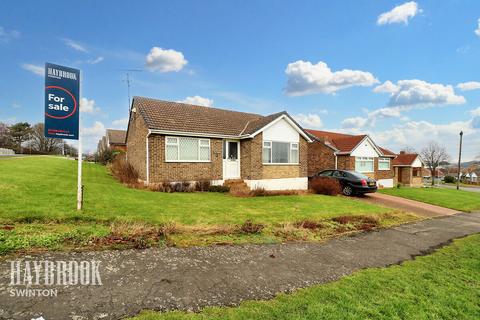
(471, 189)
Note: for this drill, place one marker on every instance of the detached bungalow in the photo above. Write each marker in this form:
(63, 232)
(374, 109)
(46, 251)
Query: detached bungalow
(408, 169)
(331, 150)
(171, 141)
(113, 140)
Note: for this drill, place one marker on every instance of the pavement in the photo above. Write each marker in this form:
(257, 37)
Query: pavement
(192, 278)
(419, 208)
(471, 189)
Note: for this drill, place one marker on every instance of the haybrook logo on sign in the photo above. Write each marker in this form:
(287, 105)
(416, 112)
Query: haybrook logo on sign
(61, 102)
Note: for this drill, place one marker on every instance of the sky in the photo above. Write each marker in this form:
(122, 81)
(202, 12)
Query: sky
(405, 73)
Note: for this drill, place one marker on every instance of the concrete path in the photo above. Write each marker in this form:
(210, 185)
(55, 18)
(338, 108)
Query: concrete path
(471, 189)
(189, 279)
(421, 208)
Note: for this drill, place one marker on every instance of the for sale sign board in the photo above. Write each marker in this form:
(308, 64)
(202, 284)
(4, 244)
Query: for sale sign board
(62, 109)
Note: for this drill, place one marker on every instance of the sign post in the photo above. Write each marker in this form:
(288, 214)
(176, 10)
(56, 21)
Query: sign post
(62, 110)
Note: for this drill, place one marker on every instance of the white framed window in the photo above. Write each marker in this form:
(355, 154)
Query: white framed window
(186, 149)
(364, 164)
(275, 152)
(384, 164)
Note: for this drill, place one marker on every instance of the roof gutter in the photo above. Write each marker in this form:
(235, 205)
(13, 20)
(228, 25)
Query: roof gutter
(148, 156)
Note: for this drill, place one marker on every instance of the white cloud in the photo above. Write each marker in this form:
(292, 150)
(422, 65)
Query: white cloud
(307, 78)
(74, 45)
(88, 106)
(477, 31)
(419, 93)
(354, 123)
(199, 101)
(165, 60)
(91, 136)
(372, 117)
(475, 112)
(400, 14)
(388, 87)
(418, 133)
(35, 69)
(311, 121)
(470, 85)
(95, 61)
(7, 35)
(97, 130)
(120, 123)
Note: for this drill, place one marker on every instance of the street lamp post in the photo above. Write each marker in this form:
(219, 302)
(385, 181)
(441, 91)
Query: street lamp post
(459, 159)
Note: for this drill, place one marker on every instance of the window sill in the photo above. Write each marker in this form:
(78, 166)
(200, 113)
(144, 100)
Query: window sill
(384, 169)
(280, 164)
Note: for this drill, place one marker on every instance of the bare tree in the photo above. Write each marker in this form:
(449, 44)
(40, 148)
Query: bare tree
(432, 155)
(42, 144)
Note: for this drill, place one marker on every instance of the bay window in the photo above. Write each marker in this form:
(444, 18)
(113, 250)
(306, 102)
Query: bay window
(275, 152)
(364, 164)
(384, 164)
(186, 149)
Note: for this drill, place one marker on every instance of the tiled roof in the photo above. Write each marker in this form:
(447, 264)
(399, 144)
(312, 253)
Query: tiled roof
(387, 152)
(344, 142)
(116, 136)
(405, 159)
(182, 117)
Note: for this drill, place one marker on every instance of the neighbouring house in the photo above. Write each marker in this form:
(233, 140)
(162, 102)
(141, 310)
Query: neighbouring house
(408, 169)
(474, 177)
(439, 173)
(331, 150)
(114, 140)
(172, 141)
(470, 176)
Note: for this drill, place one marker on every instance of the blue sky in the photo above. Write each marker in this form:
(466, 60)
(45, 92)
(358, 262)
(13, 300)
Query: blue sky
(404, 72)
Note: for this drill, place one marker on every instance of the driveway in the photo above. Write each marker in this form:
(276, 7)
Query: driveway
(192, 278)
(420, 208)
(471, 189)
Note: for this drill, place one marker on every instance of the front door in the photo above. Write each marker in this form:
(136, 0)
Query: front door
(231, 159)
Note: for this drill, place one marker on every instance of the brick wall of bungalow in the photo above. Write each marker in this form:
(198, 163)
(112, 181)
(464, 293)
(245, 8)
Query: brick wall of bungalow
(321, 157)
(251, 166)
(161, 171)
(136, 145)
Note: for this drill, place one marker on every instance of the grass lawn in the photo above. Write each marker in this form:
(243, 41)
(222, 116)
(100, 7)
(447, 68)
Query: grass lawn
(455, 199)
(42, 191)
(444, 285)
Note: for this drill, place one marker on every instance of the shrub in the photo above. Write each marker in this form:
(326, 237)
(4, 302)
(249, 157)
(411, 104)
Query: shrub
(202, 185)
(326, 186)
(261, 192)
(308, 224)
(250, 227)
(356, 219)
(449, 179)
(124, 171)
(218, 189)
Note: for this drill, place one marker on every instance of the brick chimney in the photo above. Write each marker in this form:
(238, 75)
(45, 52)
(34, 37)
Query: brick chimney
(402, 152)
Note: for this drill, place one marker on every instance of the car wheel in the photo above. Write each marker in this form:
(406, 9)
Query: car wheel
(347, 190)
